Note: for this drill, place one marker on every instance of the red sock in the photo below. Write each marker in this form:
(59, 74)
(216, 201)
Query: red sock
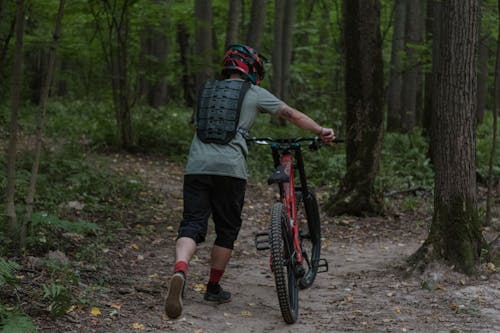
(181, 266)
(215, 275)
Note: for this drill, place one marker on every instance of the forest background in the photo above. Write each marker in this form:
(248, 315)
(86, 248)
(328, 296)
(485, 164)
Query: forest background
(121, 75)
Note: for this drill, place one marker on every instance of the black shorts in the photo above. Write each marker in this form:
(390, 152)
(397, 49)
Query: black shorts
(219, 196)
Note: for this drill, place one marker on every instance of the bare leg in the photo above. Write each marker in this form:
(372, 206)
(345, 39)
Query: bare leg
(220, 257)
(184, 249)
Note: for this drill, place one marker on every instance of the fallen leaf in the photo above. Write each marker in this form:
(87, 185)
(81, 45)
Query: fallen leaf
(398, 310)
(246, 313)
(200, 287)
(440, 287)
(134, 246)
(491, 267)
(138, 326)
(116, 306)
(95, 311)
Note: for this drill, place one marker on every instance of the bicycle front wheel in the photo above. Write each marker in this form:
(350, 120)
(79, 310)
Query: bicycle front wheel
(283, 263)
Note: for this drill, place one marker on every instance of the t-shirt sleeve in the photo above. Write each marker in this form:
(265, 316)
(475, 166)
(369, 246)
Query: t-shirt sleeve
(267, 102)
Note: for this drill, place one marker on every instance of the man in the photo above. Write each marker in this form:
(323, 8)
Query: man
(216, 171)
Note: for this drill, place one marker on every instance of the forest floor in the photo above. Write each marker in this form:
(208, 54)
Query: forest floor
(367, 287)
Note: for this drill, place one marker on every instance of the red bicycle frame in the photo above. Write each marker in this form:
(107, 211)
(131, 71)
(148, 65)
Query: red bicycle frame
(288, 198)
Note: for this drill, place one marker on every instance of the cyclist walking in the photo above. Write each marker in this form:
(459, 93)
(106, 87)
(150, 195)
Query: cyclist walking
(216, 170)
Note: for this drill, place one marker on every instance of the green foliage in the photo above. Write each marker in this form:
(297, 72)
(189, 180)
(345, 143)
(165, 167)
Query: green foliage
(11, 319)
(14, 321)
(7, 270)
(405, 164)
(484, 143)
(58, 297)
(44, 220)
(166, 130)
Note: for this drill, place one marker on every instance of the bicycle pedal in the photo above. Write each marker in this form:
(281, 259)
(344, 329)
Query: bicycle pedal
(262, 241)
(322, 266)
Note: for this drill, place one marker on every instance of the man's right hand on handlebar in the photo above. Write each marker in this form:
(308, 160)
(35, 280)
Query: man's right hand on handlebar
(326, 135)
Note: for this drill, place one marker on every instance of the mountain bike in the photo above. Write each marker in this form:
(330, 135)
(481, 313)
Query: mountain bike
(295, 246)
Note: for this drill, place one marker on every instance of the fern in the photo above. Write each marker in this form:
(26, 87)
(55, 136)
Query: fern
(7, 269)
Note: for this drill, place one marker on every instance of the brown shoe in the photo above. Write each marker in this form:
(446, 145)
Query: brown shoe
(173, 302)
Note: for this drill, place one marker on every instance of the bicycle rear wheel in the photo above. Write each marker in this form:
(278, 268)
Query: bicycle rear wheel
(283, 264)
(310, 236)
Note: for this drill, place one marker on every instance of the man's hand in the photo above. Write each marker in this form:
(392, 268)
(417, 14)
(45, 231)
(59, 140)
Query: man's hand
(327, 135)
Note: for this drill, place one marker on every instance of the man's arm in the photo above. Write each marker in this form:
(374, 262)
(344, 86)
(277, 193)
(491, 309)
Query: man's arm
(303, 121)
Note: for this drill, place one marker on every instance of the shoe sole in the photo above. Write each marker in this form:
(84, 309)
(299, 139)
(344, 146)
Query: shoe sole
(173, 302)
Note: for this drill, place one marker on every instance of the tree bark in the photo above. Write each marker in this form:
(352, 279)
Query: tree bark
(496, 106)
(455, 234)
(203, 41)
(183, 39)
(411, 71)
(233, 22)
(114, 41)
(364, 110)
(277, 52)
(15, 104)
(482, 86)
(257, 23)
(282, 50)
(396, 79)
(154, 52)
(41, 120)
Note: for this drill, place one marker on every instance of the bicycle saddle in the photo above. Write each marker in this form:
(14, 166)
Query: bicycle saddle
(279, 176)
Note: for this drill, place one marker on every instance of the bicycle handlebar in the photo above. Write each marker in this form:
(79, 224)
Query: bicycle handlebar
(314, 142)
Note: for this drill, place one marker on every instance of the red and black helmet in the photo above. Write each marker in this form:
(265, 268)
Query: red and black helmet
(246, 60)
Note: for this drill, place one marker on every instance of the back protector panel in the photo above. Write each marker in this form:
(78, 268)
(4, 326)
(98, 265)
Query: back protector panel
(219, 107)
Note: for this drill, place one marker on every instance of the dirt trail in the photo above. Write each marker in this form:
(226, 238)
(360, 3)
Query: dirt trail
(364, 290)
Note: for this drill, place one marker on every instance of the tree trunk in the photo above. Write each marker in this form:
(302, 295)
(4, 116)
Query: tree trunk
(41, 120)
(183, 38)
(203, 41)
(455, 234)
(257, 23)
(364, 108)
(233, 22)
(154, 51)
(114, 41)
(277, 52)
(433, 33)
(287, 47)
(395, 85)
(496, 106)
(411, 71)
(282, 50)
(482, 87)
(17, 78)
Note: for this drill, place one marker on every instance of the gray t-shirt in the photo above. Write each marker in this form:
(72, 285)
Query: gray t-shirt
(230, 159)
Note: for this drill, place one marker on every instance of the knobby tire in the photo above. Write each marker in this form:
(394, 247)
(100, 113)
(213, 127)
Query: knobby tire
(282, 264)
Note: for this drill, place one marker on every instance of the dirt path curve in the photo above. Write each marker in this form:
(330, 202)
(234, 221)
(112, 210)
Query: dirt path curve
(363, 291)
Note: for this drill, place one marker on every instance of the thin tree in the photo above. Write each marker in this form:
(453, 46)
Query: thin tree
(203, 41)
(455, 234)
(233, 22)
(257, 23)
(284, 14)
(396, 79)
(412, 67)
(40, 126)
(115, 43)
(364, 110)
(496, 106)
(15, 104)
